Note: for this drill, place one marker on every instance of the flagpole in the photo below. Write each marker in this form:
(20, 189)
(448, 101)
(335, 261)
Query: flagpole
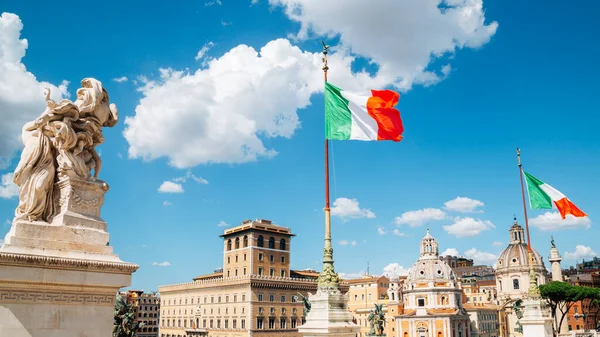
(533, 290)
(328, 278)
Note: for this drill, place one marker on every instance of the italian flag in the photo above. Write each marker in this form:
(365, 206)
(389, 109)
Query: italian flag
(544, 196)
(360, 117)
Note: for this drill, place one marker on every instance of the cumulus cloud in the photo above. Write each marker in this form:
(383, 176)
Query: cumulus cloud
(463, 205)
(497, 243)
(581, 252)
(167, 203)
(223, 224)
(552, 221)
(396, 232)
(8, 189)
(450, 252)
(402, 38)
(419, 217)
(170, 187)
(120, 79)
(480, 257)
(344, 242)
(22, 95)
(394, 270)
(161, 264)
(381, 231)
(189, 175)
(465, 227)
(349, 209)
(213, 3)
(205, 48)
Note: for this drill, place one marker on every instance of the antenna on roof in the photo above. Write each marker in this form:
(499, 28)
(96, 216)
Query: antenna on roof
(367, 268)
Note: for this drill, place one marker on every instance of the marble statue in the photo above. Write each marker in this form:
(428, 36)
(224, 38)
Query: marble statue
(61, 143)
(376, 320)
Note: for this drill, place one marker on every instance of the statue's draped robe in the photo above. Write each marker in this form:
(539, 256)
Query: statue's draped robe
(35, 177)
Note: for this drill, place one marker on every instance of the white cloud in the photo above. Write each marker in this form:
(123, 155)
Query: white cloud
(350, 276)
(349, 209)
(552, 221)
(450, 251)
(7, 222)
(223, 224)
(465, 227)
(401, 37)
(497, 243)
(22, 95)
(167, 203)
(480, 257)
(120, 79)
(190, 175)
(419, 217)
(225, 23)
(212, 3)
(396, 232)
(202, 52)
(446, 70)
(353, 242)
(161, 264)
(581, 252)
(170, 187)
(394, 269)
(344, 242)
(8, 189)
(381, 231)
(463, 205)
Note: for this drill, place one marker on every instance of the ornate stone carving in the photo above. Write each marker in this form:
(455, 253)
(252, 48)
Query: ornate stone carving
(64, 263)
(38, 297)
(62, 143)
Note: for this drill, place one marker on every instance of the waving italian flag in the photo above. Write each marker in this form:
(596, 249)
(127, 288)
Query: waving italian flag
(361, 117)
(544, 196)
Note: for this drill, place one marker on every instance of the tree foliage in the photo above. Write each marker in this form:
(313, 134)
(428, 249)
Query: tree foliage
(561, 296)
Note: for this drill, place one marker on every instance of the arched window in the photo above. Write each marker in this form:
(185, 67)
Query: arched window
(237, 243)
(516, 238)
(229, 244)
(245, 240)
(260, 241)
(516, 283)
(282, 244)
(271, 242)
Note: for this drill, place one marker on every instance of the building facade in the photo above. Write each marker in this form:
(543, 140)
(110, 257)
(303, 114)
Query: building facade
(255, 294)
(484, 320)
(432, 298)
(147, 311)
(512, 278)
(363, 293)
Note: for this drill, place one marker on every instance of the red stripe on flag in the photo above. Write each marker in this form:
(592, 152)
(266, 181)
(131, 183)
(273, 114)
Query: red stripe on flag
(381, 107)
(565, 206)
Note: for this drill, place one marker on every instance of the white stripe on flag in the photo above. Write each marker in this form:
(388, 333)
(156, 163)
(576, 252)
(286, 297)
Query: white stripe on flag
(364, 127)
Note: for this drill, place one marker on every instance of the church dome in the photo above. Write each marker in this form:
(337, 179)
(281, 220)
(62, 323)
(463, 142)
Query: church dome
(515, 256)
(429, 268)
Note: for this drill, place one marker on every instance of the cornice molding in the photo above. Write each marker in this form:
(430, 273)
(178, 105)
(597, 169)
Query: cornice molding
(51, 262)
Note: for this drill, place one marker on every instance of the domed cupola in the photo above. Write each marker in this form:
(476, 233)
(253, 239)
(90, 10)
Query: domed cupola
(515, 255)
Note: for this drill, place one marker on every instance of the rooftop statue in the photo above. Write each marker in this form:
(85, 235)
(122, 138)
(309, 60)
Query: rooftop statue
(61, 143)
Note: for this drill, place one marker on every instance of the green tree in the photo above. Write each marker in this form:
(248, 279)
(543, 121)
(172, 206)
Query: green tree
(590, 298)
(560, 296)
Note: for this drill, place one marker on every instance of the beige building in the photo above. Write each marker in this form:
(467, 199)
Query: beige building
(432, 297)
(363, 293)
(255, 294)
(147, 306)
(484, 320)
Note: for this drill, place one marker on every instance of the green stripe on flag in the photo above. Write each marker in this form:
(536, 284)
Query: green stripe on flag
(338, 120)
(538, 199)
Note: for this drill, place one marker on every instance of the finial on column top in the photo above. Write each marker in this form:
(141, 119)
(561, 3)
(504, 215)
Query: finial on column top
(552, 242)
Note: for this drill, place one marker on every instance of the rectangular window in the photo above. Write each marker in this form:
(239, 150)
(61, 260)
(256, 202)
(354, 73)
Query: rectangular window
(204, 323)
(243, 324)
(421, 302)
(294, 299)
(260, 271)
(211, 324)
(272, 258)
(259, 323)
(218, 324)
(516, 283)
(244, 270)
(243, 298)
(282, 273)
(282, 323)
(235, 298)
(226, 324)
(271, 323)
(282, 298)
(219, 299)
(293, 323)
(272, 272)
(244, 257)
(260, 256)
(226, 298)
(234, 324)
(283, 259)
(271, 298)
(260, 297)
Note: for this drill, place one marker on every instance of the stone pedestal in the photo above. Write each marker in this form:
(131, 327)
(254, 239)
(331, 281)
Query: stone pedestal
(61, 278)
(329, 315)
(536, 319)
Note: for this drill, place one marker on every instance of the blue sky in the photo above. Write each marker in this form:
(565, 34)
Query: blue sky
(240, 130)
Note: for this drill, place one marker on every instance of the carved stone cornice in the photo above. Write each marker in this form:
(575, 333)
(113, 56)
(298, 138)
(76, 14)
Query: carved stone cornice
(51, 262)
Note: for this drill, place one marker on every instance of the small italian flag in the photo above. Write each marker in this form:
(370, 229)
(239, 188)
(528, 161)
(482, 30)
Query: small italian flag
(360, 117)
(544, 196)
